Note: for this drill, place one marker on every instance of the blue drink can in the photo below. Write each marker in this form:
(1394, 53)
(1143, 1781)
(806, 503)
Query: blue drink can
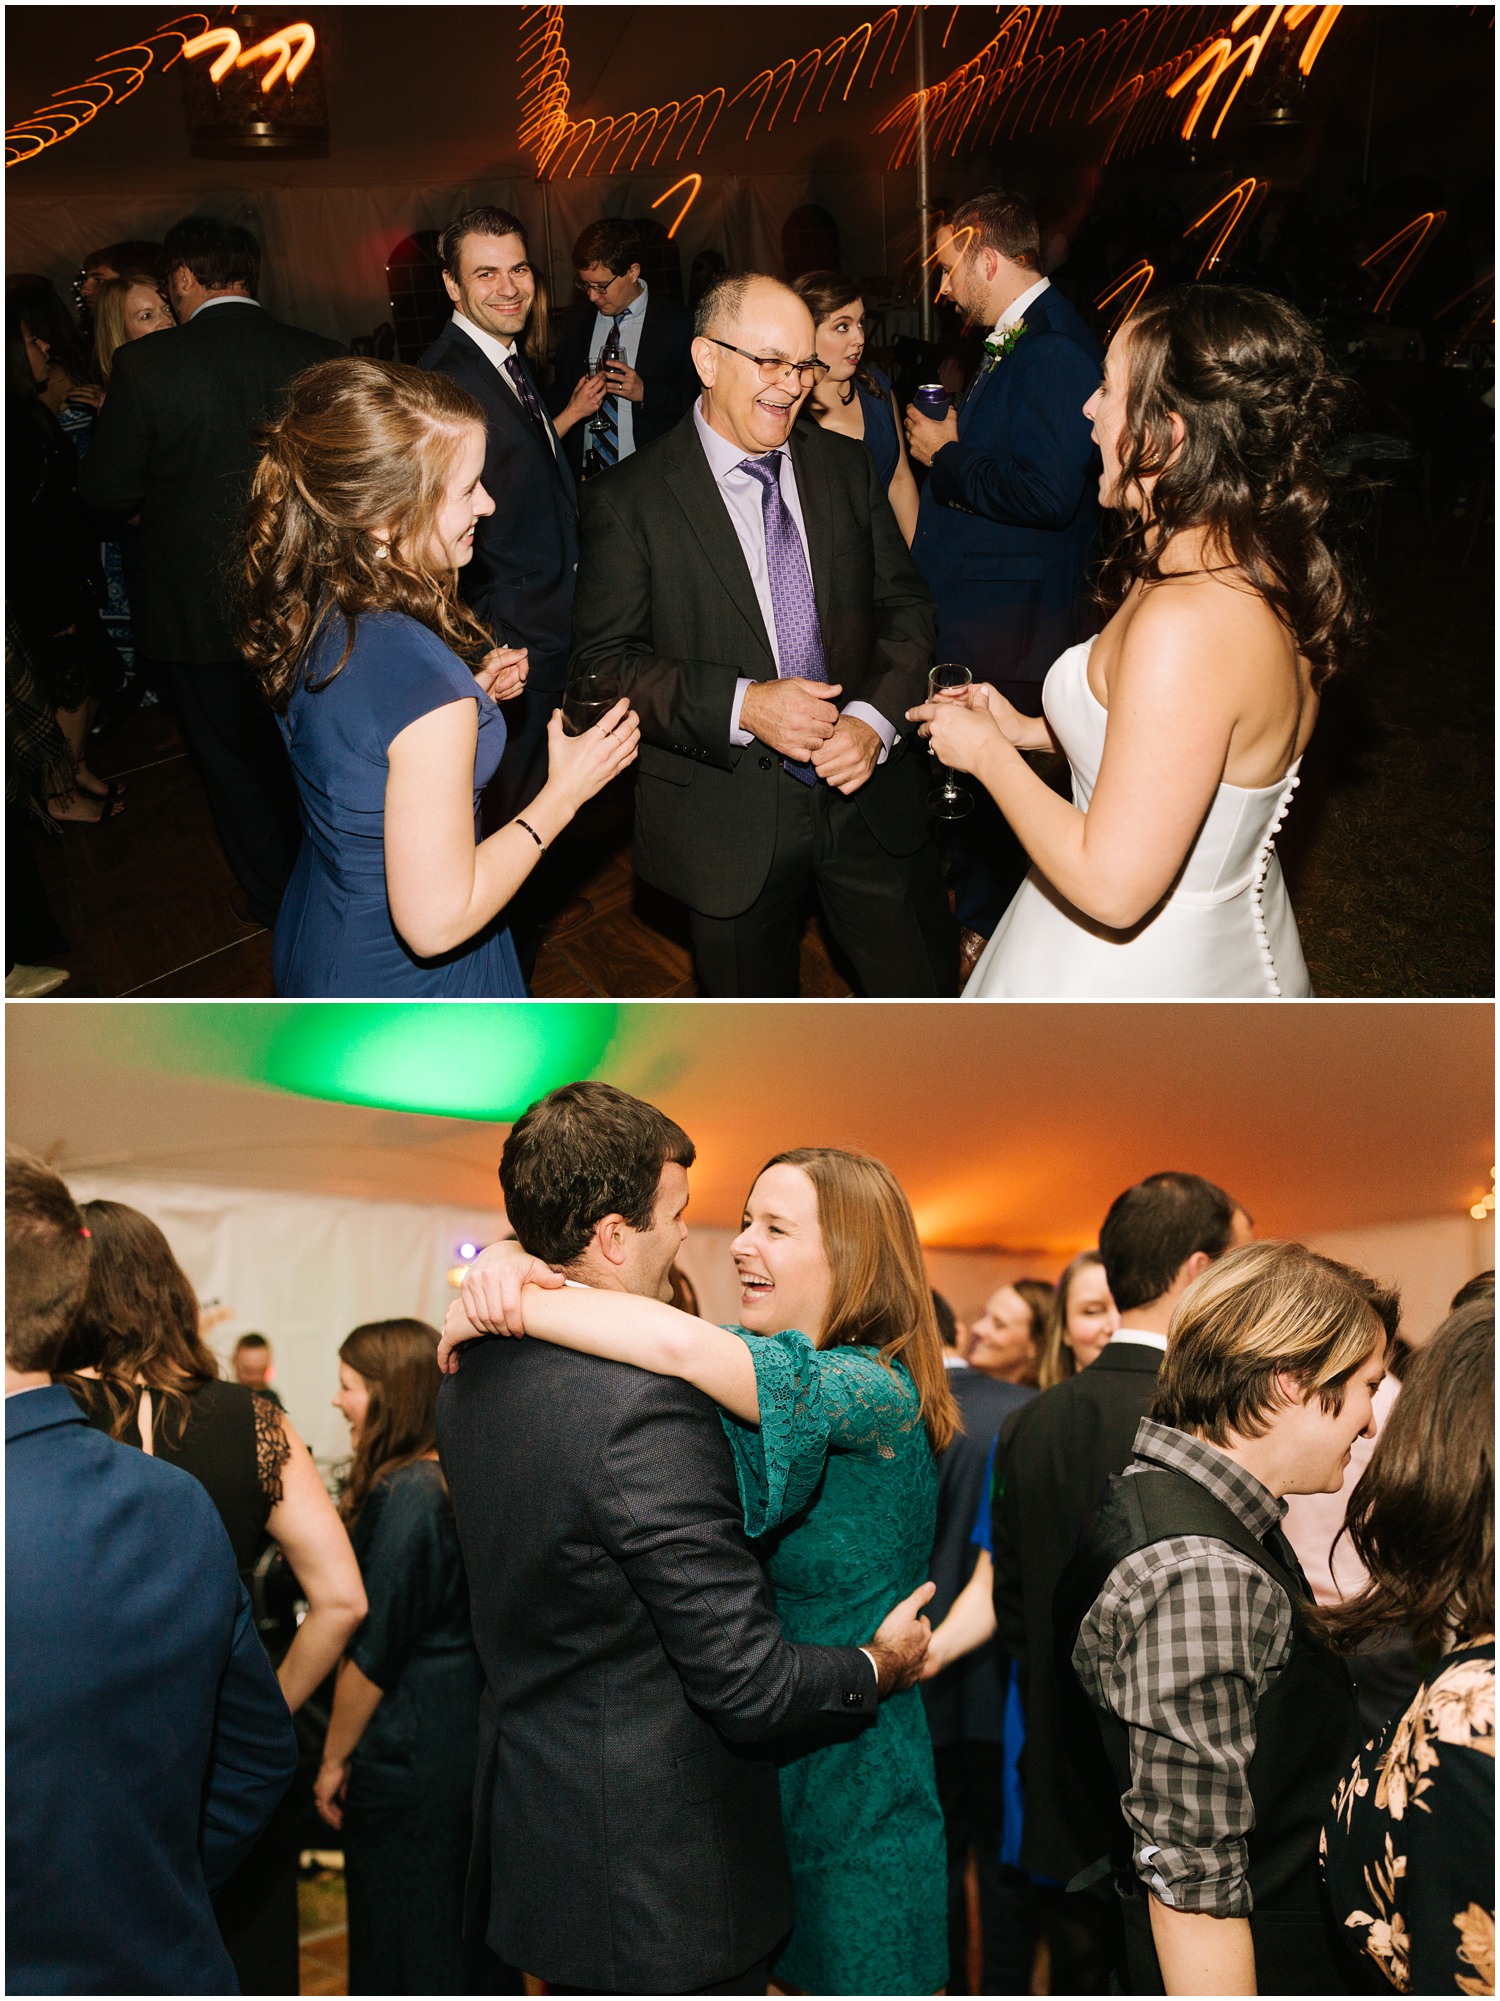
(932, 400)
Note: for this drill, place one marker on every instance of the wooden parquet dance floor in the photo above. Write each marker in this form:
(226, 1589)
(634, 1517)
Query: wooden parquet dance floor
(150, 909)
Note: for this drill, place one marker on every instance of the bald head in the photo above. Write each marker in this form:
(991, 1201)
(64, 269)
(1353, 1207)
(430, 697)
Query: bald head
(750, 311)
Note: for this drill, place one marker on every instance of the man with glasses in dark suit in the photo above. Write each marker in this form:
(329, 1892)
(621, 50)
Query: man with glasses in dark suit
(638, 342)
(748, 585)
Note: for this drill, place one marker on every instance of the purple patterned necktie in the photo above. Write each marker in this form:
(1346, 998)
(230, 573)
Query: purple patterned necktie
(799, 643)
(527, 395)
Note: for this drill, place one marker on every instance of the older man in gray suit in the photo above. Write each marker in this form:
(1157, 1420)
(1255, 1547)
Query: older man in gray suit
(745, 578)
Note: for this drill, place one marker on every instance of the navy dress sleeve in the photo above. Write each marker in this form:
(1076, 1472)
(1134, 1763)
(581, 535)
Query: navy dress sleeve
(405, 672)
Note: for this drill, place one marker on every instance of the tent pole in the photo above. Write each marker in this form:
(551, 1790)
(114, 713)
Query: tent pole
(924, 214)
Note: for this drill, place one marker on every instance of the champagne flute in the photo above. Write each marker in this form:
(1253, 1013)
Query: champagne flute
(949, 801)
(587, 698)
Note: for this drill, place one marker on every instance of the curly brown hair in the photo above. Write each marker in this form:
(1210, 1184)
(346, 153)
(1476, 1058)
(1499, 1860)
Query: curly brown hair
(1245, 373)
(364, 450)
(139, 1320)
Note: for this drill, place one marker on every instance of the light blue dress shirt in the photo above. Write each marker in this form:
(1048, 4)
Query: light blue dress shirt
(741, 494)
(631, 322)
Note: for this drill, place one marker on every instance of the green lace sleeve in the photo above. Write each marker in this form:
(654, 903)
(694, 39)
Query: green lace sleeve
(779, 1464)
(868, 1407)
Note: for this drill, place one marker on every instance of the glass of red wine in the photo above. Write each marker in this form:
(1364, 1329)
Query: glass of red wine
(949, 801)
(587, 698)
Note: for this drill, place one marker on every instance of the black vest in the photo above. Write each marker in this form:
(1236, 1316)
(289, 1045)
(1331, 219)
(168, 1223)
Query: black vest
(1306, 1732)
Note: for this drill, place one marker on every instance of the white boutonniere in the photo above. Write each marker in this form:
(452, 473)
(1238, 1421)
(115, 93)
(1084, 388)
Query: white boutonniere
(998, 346)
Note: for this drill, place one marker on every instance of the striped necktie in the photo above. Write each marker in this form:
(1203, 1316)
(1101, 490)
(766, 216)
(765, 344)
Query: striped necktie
(527, 396)
(607, 424)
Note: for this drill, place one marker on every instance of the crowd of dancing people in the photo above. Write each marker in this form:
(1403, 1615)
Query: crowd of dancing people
(412, 619)
(640, 1654)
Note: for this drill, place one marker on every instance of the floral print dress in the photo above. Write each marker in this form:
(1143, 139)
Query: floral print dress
(1409, 1853)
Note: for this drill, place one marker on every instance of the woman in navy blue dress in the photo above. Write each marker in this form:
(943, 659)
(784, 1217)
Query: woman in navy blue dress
(387, 690)
(852, 398)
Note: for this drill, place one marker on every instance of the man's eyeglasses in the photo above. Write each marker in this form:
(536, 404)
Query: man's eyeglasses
(588, 288)
(772, 367)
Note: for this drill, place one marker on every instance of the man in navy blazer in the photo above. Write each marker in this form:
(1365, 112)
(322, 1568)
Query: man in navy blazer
(654, 384)
(1008, 526)
(147, 1741)
(519, 584)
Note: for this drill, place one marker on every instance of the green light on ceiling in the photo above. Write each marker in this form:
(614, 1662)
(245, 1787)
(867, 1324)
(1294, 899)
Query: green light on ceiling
(453, 1059)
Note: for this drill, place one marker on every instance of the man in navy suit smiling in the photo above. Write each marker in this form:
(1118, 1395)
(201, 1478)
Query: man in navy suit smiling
(1008, 527)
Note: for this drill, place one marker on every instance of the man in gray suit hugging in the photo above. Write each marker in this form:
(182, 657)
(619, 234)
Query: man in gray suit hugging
(627, 1818)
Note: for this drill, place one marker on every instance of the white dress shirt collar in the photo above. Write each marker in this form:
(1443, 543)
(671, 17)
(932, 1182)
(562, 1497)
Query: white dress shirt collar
(224, 299)
(1140, 1337)
(497, 348)
(1016, 310)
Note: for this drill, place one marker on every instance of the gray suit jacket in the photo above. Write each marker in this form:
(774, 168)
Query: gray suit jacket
(628, 1820)
(665, 598)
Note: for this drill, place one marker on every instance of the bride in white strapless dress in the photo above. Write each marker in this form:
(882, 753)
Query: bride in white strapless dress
(1185, 721)
(1225, 929)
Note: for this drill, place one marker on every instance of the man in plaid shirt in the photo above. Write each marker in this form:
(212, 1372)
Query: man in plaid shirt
(1223, 1715)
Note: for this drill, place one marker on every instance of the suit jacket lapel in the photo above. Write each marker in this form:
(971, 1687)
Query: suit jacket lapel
(817, 518)
(559, 464)
(499, 398)
(691, 481)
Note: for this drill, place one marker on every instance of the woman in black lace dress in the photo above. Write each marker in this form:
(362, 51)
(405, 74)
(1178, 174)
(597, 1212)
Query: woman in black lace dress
(398, 1766)
(137, 1364)
(1409, 1846)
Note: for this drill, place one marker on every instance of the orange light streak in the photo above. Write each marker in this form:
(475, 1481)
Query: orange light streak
(697, 181)
(1221, 53)
(280, 45)
(70, 109)
(1420, 228)
(1140, 275)
(1243, 194)
(223, 39)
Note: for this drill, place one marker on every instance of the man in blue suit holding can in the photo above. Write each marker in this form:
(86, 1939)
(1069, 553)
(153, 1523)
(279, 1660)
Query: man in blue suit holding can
(1008, 527)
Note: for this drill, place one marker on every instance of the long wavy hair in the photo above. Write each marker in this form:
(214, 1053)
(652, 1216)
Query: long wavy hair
(1421, 1518)
(364, 451)
(398, 1362)
(880, 1296)
(1258, 402)
(139, 1319)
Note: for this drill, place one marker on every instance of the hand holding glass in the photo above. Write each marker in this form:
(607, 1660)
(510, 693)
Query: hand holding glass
(588, 698)
(946, 681)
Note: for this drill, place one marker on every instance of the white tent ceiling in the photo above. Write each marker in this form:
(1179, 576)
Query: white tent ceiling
(1011, 1127)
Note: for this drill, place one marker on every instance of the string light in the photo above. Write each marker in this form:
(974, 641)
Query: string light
(697, 183)
(1139, 275)
(70, 109)
(1484, 1208)
(1419, 229)
(1128, 69)
(1217, 58)
(1242, 195)
(278, 46)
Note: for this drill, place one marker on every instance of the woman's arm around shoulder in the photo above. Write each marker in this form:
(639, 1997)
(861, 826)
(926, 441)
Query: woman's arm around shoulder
(648, 1334)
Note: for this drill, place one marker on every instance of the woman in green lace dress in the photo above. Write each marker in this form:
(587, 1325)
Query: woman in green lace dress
(834, 1401)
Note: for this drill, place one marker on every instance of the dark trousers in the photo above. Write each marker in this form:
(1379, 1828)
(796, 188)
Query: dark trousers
(1085, 1940)
(751, 1981)
(257, 1907)
(969, 1785)
(246, 774)
(989, 863)
(887, 913)
(522, 774)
